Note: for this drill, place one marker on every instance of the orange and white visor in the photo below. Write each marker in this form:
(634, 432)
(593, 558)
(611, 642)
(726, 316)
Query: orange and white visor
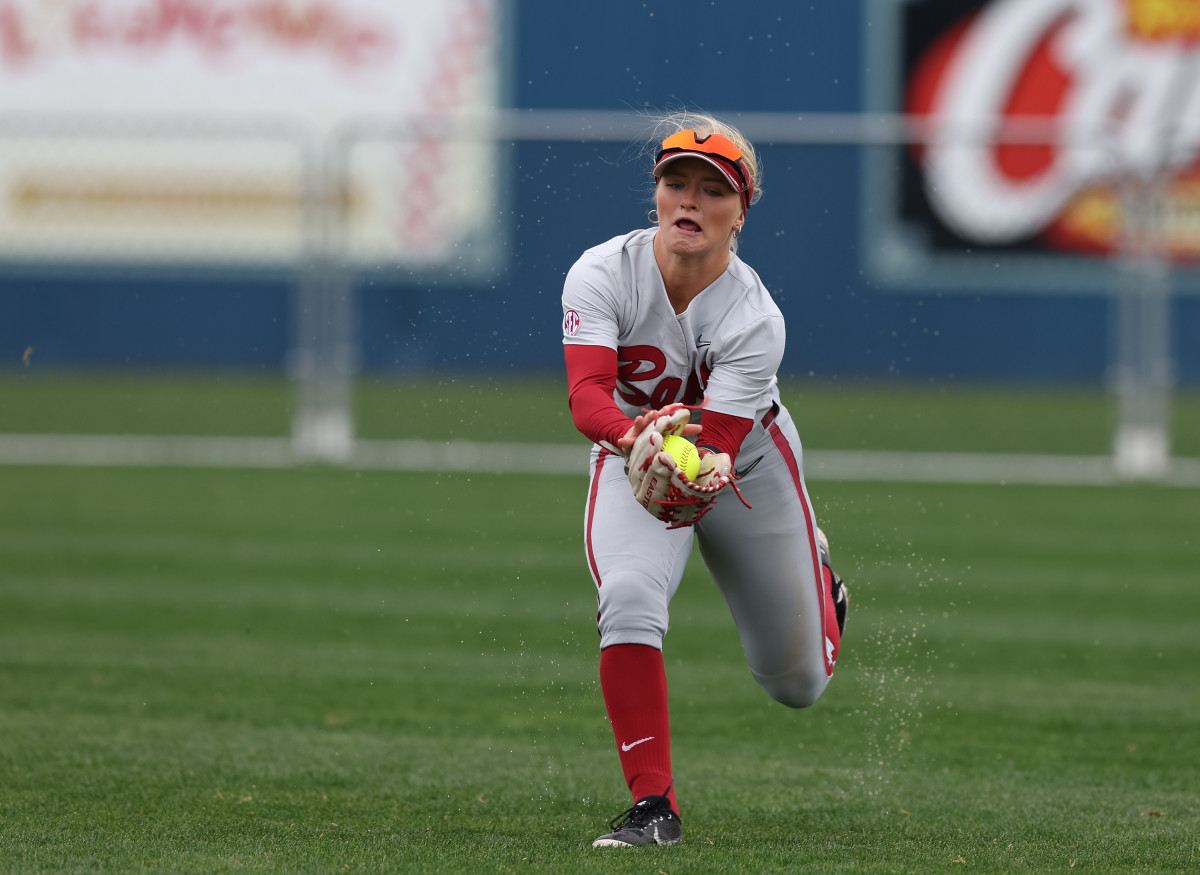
(717, 150)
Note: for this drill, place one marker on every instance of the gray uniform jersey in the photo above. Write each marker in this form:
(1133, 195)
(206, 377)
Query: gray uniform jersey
(724, 351)
(725, 348)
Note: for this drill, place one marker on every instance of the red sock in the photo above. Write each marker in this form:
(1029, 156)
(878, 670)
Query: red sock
(634, 682)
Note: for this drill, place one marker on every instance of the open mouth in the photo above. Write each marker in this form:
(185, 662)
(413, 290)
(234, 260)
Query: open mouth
(688, 225)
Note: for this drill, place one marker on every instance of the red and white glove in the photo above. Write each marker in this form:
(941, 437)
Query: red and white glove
(661, 487)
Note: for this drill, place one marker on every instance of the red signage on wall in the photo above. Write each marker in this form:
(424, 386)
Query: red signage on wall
(1040, 114)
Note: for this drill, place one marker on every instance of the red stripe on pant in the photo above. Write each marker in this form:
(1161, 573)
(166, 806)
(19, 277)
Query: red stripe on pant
(593, 495)
(824, 595)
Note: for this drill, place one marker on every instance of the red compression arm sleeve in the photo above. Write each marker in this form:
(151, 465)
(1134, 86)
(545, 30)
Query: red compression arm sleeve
(591, 379)
(724, 433)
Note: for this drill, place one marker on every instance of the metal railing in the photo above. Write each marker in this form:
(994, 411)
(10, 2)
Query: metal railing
(312, 199)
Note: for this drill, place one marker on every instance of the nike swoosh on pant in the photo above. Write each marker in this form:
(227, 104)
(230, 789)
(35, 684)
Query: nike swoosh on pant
(628, 747)
(748, 468)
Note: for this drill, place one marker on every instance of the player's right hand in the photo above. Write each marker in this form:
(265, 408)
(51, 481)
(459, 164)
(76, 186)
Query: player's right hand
(672, 419)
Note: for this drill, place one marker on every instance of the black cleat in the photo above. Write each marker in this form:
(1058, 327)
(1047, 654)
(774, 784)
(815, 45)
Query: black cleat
(841, 599)
(650, 822)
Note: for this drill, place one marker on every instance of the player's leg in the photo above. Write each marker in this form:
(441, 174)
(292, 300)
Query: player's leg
(635, 561)
(768, 566)
(637, 566)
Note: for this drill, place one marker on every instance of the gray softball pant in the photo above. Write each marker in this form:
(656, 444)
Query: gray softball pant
(764, 560)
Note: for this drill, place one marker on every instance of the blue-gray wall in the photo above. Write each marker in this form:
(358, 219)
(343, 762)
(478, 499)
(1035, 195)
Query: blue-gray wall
(728, 56)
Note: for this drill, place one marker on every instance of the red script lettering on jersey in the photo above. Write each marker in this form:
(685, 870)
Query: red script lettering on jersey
(639, 369)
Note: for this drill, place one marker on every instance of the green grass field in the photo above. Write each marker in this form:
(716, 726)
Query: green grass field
(326, 670)
(936, 416)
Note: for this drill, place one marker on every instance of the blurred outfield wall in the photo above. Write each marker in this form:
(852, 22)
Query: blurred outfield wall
(1008, 310)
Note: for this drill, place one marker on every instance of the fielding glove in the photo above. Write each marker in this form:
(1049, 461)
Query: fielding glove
(662, 488)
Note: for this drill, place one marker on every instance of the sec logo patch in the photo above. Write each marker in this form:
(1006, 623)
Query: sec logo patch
(570, 323)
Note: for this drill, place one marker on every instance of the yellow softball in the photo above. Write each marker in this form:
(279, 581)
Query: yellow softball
(684, 452)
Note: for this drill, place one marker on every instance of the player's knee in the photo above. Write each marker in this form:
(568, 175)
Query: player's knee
(631, 612)
(796, 689)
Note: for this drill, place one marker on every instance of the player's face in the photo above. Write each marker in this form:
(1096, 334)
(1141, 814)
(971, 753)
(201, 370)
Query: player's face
(698, 209)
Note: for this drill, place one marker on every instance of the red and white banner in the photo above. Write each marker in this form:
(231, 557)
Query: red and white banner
(1107, 91)
(142, 129)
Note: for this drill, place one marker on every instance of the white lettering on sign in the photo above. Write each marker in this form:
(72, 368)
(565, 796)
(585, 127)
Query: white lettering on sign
(1128, 101)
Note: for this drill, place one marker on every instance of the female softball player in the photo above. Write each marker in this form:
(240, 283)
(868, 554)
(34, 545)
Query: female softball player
(660, 325)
